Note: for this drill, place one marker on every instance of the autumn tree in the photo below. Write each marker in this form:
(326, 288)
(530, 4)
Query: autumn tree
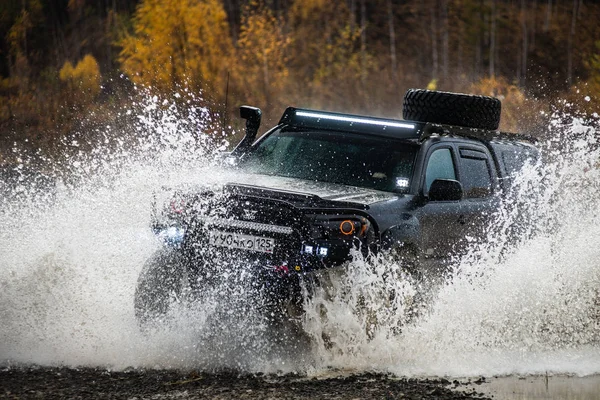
(178, 43)
(351, 55)
(513, 99)
(594, 66)
(327, 53)
(83, 80)
(262, 54)
(18, 38)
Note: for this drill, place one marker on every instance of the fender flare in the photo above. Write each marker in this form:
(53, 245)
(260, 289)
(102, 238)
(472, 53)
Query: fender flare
(406, 232)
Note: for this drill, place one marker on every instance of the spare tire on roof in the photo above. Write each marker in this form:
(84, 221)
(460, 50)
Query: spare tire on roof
(452, 109)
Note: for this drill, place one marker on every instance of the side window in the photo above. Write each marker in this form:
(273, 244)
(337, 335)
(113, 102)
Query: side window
(439, 166)
(475, 173)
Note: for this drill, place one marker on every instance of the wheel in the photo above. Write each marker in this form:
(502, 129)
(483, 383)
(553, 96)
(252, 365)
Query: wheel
(457, 109)
(409, 257)
(159, 286)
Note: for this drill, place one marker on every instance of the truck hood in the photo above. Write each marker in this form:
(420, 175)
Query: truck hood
(324, 190)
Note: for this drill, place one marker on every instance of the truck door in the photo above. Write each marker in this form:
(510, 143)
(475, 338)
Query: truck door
(479, 181)
(441, 222)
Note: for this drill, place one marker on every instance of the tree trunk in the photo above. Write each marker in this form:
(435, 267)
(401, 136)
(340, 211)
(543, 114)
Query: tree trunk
(548, 16)
(478, 68)
(525, 43)
(266, 78)
(434, 45)
(232, 24)
(461, 36)
(493, 40)
(533, 25)
(352, 15)
(24, 13)
(393, 61)
(570, 43)
(422, 56)
(445, 40)
(363, 42)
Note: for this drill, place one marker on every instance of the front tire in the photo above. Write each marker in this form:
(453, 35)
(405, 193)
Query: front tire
(159, 286)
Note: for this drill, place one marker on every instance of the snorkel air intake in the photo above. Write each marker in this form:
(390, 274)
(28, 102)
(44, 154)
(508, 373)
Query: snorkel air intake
(252, 115)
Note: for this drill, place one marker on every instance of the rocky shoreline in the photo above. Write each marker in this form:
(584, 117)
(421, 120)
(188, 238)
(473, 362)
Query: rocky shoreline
(90, 383)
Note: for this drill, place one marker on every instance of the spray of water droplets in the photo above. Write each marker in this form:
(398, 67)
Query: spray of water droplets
(74, 242)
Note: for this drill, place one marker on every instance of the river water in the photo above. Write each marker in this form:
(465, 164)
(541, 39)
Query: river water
(542, 387)
(526, 308)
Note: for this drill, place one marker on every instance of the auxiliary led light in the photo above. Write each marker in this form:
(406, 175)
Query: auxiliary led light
(402, 182)
(354, 120)
(308, 249)
(323, 251)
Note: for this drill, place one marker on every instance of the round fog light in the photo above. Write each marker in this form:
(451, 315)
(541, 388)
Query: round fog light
(347, 227)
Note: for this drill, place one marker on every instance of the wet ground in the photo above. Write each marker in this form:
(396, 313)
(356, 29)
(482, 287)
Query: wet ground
(89, 383)
(64, 383)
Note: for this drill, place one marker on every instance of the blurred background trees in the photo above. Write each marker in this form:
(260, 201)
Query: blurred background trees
(67, 61)
(177, 43)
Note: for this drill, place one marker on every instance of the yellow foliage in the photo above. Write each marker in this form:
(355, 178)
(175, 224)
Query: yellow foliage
(340, 58)
(499, 87)
(84, 77)
(327, 54)
(320, 27)
(178, 43)
(66, 72)
(512, 97)
(587, 94)
(262, 51)
(30, 15)
(5, 112)
(311, 14)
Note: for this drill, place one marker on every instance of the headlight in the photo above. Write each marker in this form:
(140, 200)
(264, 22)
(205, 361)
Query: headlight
(172, 236)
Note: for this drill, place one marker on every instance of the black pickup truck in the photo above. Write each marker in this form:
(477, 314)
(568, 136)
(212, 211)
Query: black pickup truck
(321, 186)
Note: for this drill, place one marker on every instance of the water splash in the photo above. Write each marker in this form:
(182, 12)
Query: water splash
(71, 255)
(528, 304)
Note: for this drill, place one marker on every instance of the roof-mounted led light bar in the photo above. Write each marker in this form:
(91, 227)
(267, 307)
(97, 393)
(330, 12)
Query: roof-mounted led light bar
(357, 120)
(303, 118)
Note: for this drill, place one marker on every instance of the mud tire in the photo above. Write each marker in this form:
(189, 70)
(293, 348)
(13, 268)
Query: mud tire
(159, 286)
(457, 109)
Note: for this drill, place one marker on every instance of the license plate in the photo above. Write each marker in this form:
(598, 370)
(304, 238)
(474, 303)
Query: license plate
(239, 241)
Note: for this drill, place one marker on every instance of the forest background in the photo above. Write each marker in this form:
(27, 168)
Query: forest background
(73, 66)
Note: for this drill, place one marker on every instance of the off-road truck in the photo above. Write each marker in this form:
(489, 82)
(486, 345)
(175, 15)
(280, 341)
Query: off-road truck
(321, 186)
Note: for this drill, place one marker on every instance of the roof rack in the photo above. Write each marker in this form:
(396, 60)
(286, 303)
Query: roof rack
(429, 129)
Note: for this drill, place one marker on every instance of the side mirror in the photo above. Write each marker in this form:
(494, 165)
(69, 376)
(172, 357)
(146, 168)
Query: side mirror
(445, 190)
(252, 115)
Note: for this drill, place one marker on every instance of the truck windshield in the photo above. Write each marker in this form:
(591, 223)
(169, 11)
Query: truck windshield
(336, 157)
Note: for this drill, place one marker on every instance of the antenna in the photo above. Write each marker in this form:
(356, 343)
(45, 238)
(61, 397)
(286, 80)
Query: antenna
(224, 119)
